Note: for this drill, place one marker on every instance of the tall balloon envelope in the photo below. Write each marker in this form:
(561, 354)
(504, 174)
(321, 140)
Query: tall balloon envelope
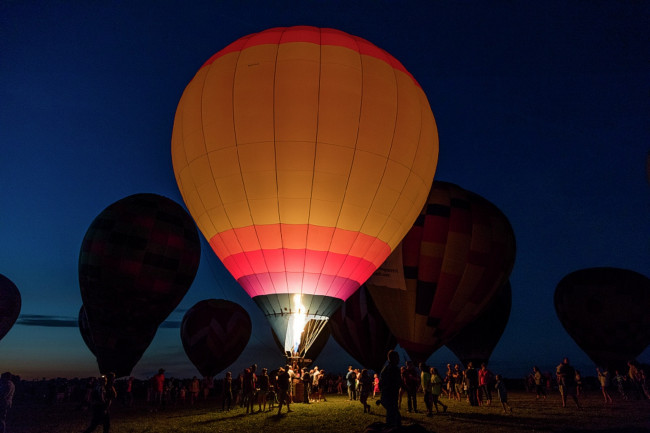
(138, 259)
(476, 341)
(10, 303)
(304, 156)
(451, 264)
(361, 331)
(214, 332)
(605, 310)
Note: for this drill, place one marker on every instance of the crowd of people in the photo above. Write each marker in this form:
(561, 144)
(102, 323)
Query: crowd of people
(260, 390)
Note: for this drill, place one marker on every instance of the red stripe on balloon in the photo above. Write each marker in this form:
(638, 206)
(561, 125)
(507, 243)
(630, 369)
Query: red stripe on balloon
(315, 35)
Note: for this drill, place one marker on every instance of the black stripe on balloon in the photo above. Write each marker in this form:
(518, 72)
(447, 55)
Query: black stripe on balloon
(459, 203)
(424, 293)
(438, 210)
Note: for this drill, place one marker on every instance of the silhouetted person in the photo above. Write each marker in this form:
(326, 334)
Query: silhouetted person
(365, 388)
(390, 382)
(566, 380)
(102, 398)
(283, 390)
(7, 390)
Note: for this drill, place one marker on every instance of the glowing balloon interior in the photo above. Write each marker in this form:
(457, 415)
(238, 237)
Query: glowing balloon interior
(304, 155)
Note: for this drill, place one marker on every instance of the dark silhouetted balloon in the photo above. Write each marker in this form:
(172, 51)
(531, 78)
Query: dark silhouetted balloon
(214, 332)
(9, 305)
(314, 349)
(137, 261)
(359, 328)
(446, 272)
(605, 311)
(477, 340)
(84, 330)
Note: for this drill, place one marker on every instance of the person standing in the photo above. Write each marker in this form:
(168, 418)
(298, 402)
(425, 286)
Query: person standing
(566, 380)
(538, 378)
(502, 393)
(365, 386)
(227, 392)
(306, 384)
(351, 379)
(283, 390)
(425, 380)
(484, 381)
(412, 382)
(102, 398)
(389, 384)
(158, 383)
(436, 389)
(7, 390)
(472, 384)
(603, 379)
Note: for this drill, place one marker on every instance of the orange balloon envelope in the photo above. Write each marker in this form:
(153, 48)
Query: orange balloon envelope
(304, 156)
(451, 264)
(605, 311)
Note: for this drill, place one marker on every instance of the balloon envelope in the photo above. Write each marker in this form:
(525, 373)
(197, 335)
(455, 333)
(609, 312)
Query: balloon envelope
(304, 156)
(214, 332)
(605, 311)
(84, 330)
(448, 269)
(137, 261)
(10, 303)
(476, 341)
(361, 331)
(314, 349)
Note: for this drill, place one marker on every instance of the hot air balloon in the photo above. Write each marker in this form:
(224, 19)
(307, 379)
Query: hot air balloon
(304, 156)
(314, 350)
(361, 331)
(477, 340)
(10, 303)
(447, 271)
(214, 332)
(137, 261)
(605, 311)
(84, 330)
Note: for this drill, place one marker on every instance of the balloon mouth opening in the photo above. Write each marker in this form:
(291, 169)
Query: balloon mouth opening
(302, 329)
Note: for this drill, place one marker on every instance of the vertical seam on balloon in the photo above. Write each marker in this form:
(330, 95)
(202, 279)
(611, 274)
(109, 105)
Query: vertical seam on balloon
(349, 173)
(277, 189)
(320, 76)
(240, 168)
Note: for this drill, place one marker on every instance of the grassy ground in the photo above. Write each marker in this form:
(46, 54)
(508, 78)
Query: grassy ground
(338, 414)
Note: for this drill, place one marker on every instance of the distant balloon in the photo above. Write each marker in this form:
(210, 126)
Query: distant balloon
(137, 261)
(447, 271)
(304, 155)
(316, 347)
(605, 311)
(361, 331)
(10, 303)
(477, 340)
(214, 332)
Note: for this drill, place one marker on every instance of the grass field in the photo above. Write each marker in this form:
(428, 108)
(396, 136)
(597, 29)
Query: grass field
(338, 414)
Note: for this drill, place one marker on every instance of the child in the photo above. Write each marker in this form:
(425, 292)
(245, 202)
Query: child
(502, 393)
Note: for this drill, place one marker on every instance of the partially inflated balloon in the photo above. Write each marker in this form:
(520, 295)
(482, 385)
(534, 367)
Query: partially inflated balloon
(447, 271)
(214, 332)
(605, 310)
(359, 328)
(137, 261)
(304, 156)
(477, 340)
(9, 305)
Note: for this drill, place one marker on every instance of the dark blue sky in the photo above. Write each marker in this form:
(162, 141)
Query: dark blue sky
(542, 108)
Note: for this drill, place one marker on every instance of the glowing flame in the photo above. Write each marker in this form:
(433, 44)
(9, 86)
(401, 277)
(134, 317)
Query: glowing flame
(299, 320)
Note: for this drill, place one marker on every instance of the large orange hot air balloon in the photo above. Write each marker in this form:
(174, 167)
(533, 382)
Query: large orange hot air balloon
(605, 310)
(451, 264)
(304, 156)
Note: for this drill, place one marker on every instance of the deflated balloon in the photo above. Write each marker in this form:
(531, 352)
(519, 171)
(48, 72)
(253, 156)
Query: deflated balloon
(214, 332)
(10, 303)
(447, 271)
(359, 328)
(304, 156)
(137, 261)
(477, 340)
(605, 311)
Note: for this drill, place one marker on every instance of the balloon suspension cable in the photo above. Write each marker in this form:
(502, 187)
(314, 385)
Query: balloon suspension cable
(310, 333)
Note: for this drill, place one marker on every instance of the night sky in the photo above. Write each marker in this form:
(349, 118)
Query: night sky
(542, 108)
